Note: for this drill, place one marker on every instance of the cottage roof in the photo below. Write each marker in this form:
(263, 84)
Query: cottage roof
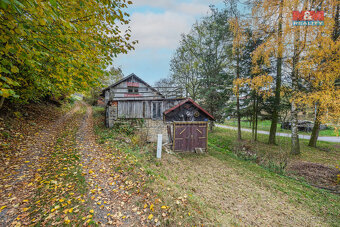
(194, 103)
(127, 78)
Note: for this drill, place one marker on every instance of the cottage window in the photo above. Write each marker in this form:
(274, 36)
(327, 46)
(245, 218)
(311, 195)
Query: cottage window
(156, 110)
(133, 90)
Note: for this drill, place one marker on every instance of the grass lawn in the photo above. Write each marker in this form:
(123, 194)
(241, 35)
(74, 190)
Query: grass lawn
(265, 126)
(219, 188)
(326, 153)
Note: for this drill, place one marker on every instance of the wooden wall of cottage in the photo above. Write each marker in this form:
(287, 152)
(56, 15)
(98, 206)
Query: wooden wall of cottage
(149, 110)
(132, 99)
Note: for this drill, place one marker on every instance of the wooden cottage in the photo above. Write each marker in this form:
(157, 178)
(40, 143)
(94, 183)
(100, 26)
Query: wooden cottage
(188, 124)
(133, 98)
(182, 122)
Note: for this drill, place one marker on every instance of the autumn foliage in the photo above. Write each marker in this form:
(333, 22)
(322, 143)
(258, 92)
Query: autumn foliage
(58, 47)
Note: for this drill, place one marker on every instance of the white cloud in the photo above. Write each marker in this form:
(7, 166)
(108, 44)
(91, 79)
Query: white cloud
(174, 4)
(197, 7)
(154, 30)
(162, 29)
(157, 25)
(158, 3)
(193, 9)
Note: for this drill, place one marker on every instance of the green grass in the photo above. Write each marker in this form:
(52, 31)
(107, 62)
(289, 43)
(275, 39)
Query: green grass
(300, 193)
(325, 153)
(265, 126)
(223, 141)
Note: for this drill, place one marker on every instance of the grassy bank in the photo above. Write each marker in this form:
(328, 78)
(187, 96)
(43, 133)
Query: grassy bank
(326, 153)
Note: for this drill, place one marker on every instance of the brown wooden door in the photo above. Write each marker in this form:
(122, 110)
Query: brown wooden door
(189, 135)
(181, 140)
(199, 134)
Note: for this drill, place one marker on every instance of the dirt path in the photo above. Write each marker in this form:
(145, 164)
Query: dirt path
(19, 172)
(111, 203)
(45, 183)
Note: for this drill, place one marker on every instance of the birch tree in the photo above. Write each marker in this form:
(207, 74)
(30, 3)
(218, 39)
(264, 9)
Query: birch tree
(269, 17)
(320, 68)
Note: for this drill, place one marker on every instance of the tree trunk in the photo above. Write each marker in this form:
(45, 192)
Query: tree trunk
(2, 101)
(212, 124)
(336, 29)
(275, 115)
(316, 129)
(253, 118)
(295, 149)
(256, 117)
(239, 137)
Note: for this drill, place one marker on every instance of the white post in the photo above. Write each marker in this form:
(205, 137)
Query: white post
(159, 146)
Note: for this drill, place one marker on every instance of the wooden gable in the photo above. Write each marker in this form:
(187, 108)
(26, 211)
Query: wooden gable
(187, 110)
(131, 88)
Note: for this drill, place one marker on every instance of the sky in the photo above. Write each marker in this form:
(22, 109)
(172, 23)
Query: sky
(158, 25)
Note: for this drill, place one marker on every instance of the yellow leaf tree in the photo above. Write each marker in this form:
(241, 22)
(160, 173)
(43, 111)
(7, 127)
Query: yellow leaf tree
(57, 47)
(319, 67)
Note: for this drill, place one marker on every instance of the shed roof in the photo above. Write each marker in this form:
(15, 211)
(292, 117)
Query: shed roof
(194, 103)
(128, 77)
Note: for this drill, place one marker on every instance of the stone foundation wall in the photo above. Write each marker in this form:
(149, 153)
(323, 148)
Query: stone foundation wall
(152, 128)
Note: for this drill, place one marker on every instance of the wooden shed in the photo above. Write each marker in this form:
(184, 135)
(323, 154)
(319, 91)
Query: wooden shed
(189, 126)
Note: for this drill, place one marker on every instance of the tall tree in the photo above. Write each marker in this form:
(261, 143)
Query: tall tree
(213, 55)
(204, 55)
(320, 67)
(269, 17)
(254, 85)
(275, 115)
(112, 75)
(295, 148)
(184, 69)
(320, 111)
(58, 47)
(238, 28)
(168, 87)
